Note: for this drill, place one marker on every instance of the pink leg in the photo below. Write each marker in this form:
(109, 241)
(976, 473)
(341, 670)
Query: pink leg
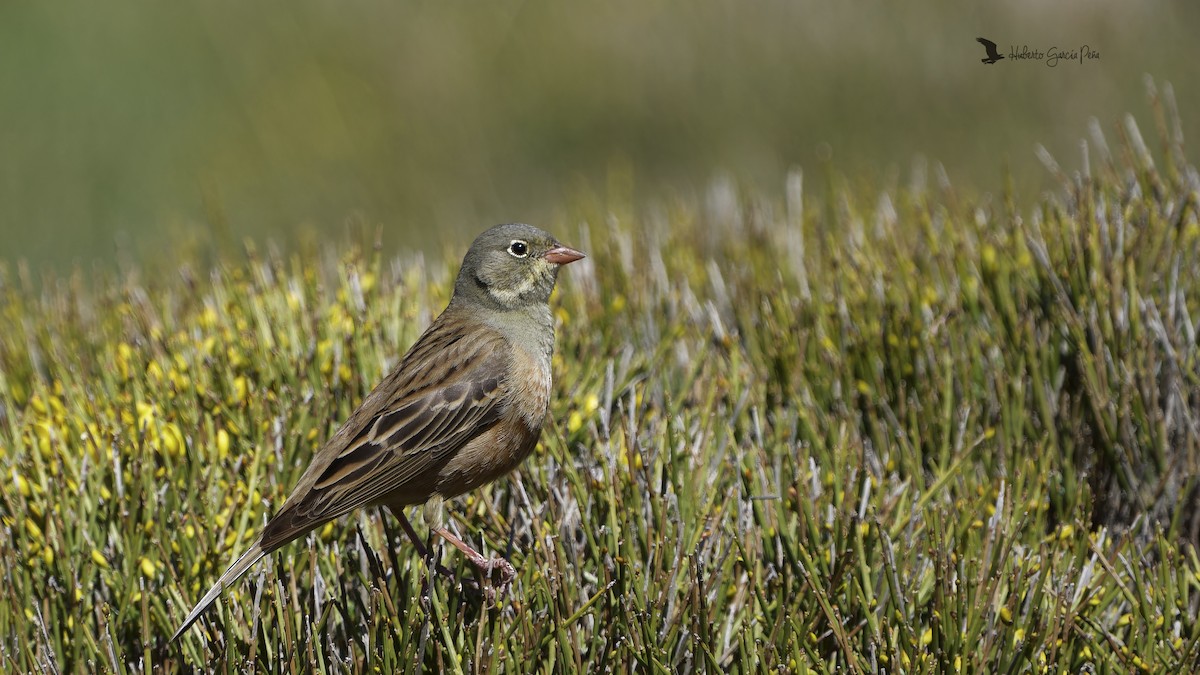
(422, 549)
(507, 572)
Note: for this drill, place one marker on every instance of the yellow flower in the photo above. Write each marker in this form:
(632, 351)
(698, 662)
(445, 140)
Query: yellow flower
(367, 282)
(222, 444)
(146, 414)
(241, 388)
(32, 529)
(988, 256)
(23, 486)
(172, 439)
(179, 380)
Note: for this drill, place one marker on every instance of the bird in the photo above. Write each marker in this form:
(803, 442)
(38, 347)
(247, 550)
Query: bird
(463, 407)
(992, 55)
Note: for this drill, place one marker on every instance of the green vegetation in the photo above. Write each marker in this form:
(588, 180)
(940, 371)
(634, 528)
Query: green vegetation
(849, 432)
(125, 122)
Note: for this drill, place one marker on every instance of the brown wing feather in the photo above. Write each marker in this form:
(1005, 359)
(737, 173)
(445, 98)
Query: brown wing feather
(445, 392)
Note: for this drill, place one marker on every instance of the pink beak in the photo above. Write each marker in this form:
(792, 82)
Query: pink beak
(562, 255)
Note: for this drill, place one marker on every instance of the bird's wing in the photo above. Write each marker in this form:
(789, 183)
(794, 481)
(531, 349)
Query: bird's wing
(988, 44)
(446, 391)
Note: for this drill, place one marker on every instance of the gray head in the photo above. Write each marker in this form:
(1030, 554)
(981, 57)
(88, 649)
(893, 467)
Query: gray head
(512, 266)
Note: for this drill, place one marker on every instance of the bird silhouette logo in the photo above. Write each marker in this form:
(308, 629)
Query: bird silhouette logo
(992, 55)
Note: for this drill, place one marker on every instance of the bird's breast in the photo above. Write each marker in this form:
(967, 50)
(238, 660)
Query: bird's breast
(529, 385)
(506, 444)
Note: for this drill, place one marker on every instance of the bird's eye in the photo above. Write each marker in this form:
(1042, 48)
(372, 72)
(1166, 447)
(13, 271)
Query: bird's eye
(518, 248)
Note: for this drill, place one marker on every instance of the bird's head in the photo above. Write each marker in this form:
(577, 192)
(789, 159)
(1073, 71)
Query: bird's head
(512, 266)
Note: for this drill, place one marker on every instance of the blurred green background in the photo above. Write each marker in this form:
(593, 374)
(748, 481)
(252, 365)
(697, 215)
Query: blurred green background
(128, 125)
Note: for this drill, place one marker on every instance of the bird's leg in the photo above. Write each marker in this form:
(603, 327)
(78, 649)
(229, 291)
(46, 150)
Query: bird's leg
(422, 549)
(412, 534)
(485, 565)
(435, 518)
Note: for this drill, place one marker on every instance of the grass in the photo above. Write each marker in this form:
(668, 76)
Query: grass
(852, 432)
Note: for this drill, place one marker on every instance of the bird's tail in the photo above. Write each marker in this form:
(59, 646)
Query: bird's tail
(237, 569)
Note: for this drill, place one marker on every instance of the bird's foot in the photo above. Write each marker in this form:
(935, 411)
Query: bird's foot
(495, 576)
(497, 572)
